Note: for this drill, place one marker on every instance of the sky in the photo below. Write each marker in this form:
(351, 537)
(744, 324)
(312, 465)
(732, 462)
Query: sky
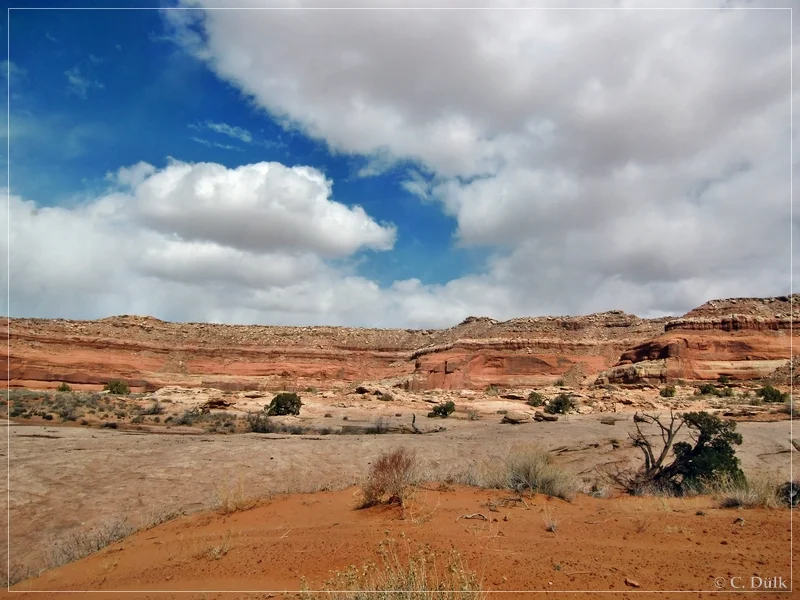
(395, 168)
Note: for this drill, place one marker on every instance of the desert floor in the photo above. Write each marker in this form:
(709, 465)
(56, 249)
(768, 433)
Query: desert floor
(68, 480)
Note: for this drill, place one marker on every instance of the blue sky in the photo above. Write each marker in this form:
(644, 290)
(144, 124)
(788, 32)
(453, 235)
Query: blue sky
(501, 169)
(84, 104)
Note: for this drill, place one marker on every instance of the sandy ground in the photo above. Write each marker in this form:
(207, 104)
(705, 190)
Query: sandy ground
(599, 544)
(70, 479)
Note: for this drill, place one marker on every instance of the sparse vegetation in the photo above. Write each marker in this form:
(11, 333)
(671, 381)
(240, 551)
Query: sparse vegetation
(559, 383)
(232, 497)
(443, 409)
(738, 492)
(80, 544)
(63, 387)
(286, 403)
(550, 521)
(492, 390)
(532, 470)
(667, 392)
(561, 404)
(117, 386)
(711, 456)
(771, 394)
(390, 478)
(535, 399)
(421, 577)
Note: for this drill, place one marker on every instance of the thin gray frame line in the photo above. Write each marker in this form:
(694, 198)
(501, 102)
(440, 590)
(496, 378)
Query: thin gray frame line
(408, 8)
(8, 255)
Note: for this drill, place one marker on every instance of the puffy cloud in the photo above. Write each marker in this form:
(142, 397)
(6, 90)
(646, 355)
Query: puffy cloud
(258, 208)
(634, 159)
(606, 159)
(193, 241)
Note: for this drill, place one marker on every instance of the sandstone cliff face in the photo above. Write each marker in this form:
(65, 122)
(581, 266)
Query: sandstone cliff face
(149, 353)
(711, 340)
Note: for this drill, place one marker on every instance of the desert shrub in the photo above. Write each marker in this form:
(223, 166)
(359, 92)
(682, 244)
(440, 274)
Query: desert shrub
(109, 425)
(259, 422)
(67, 413)
(156, 419)
(771, 394)
(443, 409)
(535, 399)
(473, 415)
(492, 390)
(47, 417)
(153, 409)
(84, 422)
(711, 454)
(188, 417)
(385, 397)
(667, 392)
(708, 389)
(137, 419)
(117, 387)
(561, 404)
(286, 403)
(559, 383)
(723, 379)
(531, 469)
(390, 478)
(63, 387)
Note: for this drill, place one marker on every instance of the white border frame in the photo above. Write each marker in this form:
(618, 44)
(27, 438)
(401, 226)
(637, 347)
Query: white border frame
(398, 8)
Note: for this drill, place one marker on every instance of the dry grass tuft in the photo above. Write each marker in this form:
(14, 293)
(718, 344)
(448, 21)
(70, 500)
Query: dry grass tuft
(80, 544)
(232, 497)
(418, 577)
(756, 492)
(391, 478)
(550, 521)
(531, 469)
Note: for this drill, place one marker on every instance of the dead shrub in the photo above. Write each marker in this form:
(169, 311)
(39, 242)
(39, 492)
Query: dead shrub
(232, 497)
(390, 477)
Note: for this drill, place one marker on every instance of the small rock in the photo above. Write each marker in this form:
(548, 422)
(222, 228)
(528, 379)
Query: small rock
(632, 583)
(608, 420)
(542, 416)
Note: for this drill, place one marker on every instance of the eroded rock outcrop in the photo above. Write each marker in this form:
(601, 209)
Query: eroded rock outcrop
(478, 353)
(710, 341)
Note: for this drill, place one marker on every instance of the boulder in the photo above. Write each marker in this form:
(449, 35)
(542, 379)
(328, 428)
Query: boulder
(516, 417)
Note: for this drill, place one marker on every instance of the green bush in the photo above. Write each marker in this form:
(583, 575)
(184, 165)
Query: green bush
(559, 383)
(561, 404)
(63, 388)
(117, 387)
(535, 399)
(668, 392)
(443, 410)
(47, 417)
(708, 389)
(772, 394)
(286, 403)
(724, 379)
